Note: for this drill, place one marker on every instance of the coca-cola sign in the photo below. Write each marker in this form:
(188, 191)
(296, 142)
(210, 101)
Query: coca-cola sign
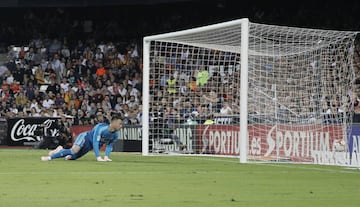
(24, 131)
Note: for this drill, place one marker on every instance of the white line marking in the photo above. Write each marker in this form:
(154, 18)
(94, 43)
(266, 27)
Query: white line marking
(321, 168)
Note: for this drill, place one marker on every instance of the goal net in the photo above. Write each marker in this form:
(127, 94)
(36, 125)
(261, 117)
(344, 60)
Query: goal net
(260, 92)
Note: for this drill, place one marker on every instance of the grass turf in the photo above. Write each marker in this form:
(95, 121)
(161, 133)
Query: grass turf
(134, 180)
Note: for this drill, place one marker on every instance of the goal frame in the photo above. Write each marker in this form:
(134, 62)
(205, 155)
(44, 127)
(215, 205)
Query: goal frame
(249, 42)
(243, 138)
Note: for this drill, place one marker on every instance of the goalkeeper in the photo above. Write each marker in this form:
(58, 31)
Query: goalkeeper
(102, 133)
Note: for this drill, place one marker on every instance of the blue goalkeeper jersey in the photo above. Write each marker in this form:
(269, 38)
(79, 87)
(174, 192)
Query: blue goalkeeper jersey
(101, 135)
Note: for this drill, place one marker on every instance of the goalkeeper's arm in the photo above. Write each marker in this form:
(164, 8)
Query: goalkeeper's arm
(97, 149)
(108, 150)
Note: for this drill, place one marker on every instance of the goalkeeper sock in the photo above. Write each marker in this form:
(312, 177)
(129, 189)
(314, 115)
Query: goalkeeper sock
(62, 153)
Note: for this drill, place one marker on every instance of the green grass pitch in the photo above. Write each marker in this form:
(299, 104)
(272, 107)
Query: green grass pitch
(135, 180)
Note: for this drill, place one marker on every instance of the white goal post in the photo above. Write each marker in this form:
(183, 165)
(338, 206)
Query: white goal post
(258, 92)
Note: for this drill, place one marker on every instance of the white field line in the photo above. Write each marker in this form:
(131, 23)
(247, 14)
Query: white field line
(82, 173)
(351, 170)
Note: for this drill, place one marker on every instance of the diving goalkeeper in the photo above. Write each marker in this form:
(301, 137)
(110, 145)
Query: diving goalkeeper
(102, 133)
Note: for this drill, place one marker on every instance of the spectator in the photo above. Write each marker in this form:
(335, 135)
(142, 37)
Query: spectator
(81, 117)
(133, 91)
(4, 109)
(27, 109)
(22, 52)
(34, 112)
(99, 118)
(59, 100)
(106, 103)
(10, 78)
(30, 90)
(64, 85)
(99, 55)
(186, 109)
(65, 52)
(122, 90)
(34, 105)
(50, 72)
(27, 73)
(98, 97)
(21, 99)
(92, 109)
(37, 57)
(56, 66)
(226, 109)
(90, 68)
(212, 100)
(6, 92)
(48, 101)
(132, 101)
(100, 71)
(29, 56)
(223, 117)
(40, 75)
(71, 77)
(54, 88)
(13, 112)
(119, 103)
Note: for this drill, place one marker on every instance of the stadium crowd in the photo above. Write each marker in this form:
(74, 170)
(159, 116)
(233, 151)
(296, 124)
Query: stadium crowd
(86, 81)
(87, 64)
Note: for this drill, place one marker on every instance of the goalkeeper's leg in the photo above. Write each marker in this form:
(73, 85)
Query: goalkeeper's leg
(58, 149)
(60, 152)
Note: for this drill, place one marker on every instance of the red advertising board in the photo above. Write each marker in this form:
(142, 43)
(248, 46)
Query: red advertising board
(297, 143)
(76, 130)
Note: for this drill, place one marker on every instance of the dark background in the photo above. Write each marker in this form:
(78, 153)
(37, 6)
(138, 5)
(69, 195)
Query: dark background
(126, 20)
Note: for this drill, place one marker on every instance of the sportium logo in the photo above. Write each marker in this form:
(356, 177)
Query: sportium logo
(267, 140)
(297, 143)
(22, 131)
(220, 140)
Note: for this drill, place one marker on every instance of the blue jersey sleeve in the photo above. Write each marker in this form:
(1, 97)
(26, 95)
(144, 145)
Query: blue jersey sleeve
(110, 145)
(98, 129)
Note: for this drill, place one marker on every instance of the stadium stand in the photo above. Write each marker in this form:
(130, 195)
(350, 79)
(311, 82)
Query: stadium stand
(86, 61)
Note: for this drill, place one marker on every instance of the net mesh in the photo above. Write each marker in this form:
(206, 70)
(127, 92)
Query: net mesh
(300, 99)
